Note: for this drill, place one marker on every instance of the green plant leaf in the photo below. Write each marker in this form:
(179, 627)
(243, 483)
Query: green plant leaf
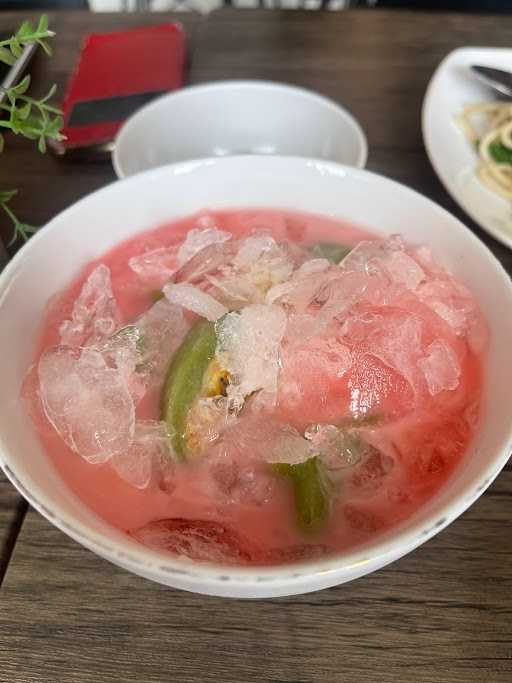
(54, 127)
(49, 94)
(42, 26)
(7, 195)
(22, 231)
(15, 126)
(47, 49)
(53, 110)
(24, 111)
(22, 86)
(6, 56)
(15, 47)
(25, 31)
(11, 96)
(44, 118)
(33, 118)
(30, 134)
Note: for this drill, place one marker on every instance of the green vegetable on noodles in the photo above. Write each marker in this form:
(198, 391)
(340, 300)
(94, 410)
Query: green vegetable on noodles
(500, 153)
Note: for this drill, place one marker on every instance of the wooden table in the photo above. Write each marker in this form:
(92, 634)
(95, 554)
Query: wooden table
(441, 614)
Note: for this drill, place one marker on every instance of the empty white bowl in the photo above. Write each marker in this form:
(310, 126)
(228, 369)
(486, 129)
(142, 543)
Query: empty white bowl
(237, 117)
(95, 224)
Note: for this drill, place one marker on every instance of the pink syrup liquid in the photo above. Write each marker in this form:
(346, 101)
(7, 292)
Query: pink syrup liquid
(418, 450)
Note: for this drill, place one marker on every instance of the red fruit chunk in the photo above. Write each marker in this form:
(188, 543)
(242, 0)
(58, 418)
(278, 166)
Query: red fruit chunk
(201, 540)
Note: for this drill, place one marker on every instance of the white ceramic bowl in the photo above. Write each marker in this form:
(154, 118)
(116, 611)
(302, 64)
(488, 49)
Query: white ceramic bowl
(98, 222)
(237, 117)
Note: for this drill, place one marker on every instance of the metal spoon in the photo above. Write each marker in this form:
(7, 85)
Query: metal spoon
(497, 79)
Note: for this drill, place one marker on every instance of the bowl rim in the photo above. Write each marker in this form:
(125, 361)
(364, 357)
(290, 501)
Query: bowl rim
(242, 84)
(389, 546)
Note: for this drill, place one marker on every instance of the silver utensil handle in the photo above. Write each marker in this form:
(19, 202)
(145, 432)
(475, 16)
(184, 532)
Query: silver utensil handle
(17, 69)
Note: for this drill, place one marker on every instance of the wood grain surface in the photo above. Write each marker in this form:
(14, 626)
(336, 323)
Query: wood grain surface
(442, 614)
(12, 511)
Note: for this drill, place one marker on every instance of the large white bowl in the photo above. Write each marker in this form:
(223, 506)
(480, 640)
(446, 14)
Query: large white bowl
(85, 230)
(237, 117)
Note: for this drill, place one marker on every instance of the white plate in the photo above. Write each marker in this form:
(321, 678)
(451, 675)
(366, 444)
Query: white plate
(452, 156)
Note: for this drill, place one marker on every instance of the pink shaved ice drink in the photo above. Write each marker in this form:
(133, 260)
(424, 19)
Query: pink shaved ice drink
(339, 390)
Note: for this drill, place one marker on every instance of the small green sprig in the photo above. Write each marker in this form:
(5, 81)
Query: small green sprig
(35, 119)
(32, 118)
(21, 230)
(12, 48)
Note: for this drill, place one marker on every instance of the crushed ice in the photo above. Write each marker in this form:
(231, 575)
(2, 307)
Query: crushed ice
(248, 347)
(87, 402)
(336, 448)
(95, 315)
(199, 239)
(440, 367)
(258, 264)
(155, 267)
(195, 300)
(89, 387)
(148, 453)
(280, 313)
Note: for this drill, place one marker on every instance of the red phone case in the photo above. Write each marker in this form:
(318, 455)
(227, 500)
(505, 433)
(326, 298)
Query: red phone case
(116, 74)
